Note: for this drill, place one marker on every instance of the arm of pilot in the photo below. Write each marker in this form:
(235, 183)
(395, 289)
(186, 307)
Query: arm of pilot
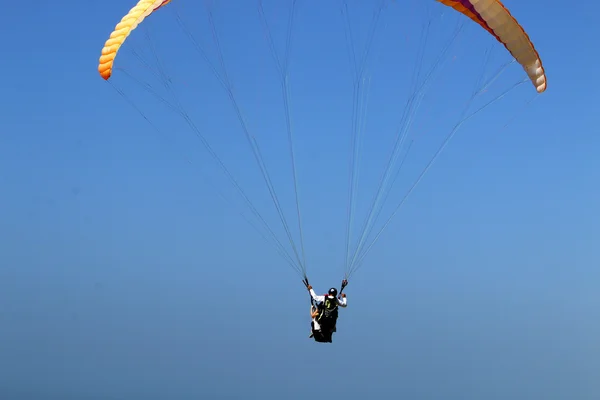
(342, 302)
(316, 298)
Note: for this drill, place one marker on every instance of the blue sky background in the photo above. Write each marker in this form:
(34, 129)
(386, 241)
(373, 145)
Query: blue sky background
(123, 275)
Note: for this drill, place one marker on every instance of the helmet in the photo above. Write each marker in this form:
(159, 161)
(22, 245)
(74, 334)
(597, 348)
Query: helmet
(332, 292)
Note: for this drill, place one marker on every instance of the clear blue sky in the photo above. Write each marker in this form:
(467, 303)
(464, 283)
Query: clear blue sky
(123, 275)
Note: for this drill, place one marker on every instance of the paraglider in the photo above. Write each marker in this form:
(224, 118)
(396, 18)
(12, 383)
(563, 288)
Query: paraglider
(491, 15)
(324, 312)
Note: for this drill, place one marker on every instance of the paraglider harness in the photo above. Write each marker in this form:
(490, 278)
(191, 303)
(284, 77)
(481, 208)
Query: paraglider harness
(328, 313)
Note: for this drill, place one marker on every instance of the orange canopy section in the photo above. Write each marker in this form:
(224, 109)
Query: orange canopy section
(497, 20)
(129, 22)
